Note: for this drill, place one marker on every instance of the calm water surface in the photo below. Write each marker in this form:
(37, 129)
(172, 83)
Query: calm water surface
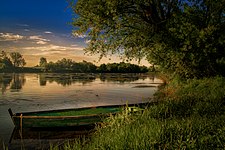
(33, 92)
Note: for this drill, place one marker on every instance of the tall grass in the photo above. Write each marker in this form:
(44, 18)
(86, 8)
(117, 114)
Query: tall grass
(2, 145)
(190, 115)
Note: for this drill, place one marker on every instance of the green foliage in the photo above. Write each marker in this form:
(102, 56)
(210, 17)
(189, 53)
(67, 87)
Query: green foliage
(182, 37)
(85, 67)
(194, 43)
(42, 62)
(184, 98)
(17, 59)
(191, 116)
(5, 62)
(67, 65)
(121, 68)
(13, 64)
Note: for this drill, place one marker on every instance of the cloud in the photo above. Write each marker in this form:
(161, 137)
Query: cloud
(10, 37)
(48, 32)
(74, 45)
(87, 41)
(22, 25)
(54, 48)
(38, 37)
(39, 40)
(79, 35)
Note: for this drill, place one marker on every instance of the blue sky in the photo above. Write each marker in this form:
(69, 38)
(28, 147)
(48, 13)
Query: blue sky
(41, 14)
(40, 28)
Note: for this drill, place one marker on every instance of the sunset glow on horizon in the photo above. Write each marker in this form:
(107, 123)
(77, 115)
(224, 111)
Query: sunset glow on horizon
(41, 28)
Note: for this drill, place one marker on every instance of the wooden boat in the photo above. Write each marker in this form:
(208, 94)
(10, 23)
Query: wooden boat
(66, 117)
(51, 133)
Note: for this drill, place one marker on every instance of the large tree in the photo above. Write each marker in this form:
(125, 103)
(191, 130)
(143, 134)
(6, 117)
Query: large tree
(43, 62)
(5, 61)
(185, 37)
(17, 59)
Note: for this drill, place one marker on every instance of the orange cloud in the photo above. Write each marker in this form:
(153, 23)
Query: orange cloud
(10, 37)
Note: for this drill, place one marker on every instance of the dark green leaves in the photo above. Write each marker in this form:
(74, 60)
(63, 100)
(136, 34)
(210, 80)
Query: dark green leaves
(182, 37)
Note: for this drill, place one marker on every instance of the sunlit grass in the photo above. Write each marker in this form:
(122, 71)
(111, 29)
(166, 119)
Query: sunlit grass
(191, 115)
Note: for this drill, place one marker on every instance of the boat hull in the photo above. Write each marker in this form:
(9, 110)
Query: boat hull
(66, 117)
(55, 122)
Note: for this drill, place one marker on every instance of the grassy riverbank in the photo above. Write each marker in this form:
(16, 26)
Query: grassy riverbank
(190, 115)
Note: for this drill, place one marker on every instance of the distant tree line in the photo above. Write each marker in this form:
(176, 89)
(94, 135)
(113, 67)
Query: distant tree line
(68, 65)
(121, 67)
(14, 62)
(10, 61)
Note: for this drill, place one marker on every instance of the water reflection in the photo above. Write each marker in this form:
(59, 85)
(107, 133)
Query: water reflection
(66, 79)
(33, 138)
(69, 79)
(42, 80)
(122, 78)
(18, 82)
(5, 81)
(38, 92)
(15, 82)
(51, 133)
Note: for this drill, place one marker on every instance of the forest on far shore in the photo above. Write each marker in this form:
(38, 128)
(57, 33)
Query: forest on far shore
(14, 62)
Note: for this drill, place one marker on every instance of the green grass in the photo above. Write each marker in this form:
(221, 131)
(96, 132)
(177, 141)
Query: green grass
(190, 115)
(3, 146)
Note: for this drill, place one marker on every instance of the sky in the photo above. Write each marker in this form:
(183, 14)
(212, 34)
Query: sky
(40, 28)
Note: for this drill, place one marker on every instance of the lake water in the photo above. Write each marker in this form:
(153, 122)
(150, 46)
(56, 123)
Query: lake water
(34, 92)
